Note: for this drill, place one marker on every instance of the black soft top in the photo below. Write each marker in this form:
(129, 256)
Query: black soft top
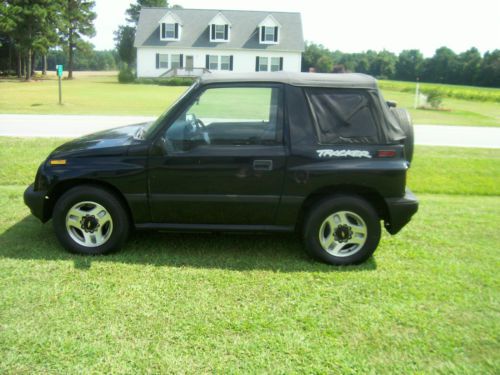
(344, 80)
(320, 92)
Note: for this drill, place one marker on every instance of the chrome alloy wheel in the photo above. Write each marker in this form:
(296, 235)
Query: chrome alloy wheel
(343, 233)
(89, 224)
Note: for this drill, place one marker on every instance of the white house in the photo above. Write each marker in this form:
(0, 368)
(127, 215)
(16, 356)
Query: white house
(190, 41)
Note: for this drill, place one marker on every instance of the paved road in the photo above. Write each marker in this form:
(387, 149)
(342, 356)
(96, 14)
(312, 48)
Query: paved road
(71, 126)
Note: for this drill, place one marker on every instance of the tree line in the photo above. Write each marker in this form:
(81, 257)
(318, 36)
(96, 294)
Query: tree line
(445, 66)
(29, 29)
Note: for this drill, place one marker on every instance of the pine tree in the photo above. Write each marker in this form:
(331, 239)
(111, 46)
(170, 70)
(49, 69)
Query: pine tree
(31, 25)
(77, 21)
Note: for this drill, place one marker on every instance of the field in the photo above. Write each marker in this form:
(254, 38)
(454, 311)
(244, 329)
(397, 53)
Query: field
(93, 93)
(427, 302)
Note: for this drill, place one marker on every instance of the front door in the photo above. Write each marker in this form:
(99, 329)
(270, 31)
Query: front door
(224, 159)
(189, 62)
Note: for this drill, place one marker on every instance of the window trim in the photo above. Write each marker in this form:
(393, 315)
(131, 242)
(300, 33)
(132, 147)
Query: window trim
(167, 60)
(210, 62)
(228, 62)
(175, 26)
(263, 33)
(267, 64)
(271, 64)
(213, 32)
(172, 60)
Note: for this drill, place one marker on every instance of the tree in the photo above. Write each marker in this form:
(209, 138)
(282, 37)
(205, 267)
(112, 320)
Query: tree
(490, 69)
(442, 67)
(125, 35)
(409, 65)
(124, 38)
(31, 26)
(383, 65)
(324, 64)
(311, 56)
(469, 65)
(78, 21)
(134, 10)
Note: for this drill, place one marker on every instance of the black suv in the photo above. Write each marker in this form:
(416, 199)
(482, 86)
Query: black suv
(320, 154)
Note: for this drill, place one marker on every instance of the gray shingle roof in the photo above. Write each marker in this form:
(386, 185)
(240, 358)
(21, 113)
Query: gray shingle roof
(244, 31)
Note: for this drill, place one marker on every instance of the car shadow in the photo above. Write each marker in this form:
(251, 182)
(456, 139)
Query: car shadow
(28, 239)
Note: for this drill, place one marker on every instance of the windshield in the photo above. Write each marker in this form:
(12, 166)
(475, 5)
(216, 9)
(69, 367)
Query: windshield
(149, 129)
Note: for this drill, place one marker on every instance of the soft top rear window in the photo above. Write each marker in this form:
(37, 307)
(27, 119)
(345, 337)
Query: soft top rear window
(342, 115)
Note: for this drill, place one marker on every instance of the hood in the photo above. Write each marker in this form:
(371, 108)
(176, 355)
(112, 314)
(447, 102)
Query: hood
(108, 142)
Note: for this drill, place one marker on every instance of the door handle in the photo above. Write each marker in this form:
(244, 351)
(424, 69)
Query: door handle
(263, 165)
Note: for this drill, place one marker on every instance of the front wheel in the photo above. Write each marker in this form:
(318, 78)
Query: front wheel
(90, 220)
(342, 230)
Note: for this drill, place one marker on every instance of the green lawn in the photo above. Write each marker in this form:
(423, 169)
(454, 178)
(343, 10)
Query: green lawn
(427, 302)
(103, 95)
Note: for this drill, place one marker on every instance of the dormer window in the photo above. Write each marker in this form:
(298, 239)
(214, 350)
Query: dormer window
(220, 33)
(170, 31)
(270, 34)
(219, 28)
(170, 27)
(269, 31)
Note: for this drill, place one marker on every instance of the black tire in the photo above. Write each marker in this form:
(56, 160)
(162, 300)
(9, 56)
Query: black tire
(406, 124)
(326, 207)
(120, 220)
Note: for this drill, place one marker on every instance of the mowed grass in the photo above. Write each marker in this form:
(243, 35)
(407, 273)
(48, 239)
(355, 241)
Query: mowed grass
(484, 94)
(454, 112)
(101, 94)
(427, 302)
(86, 95)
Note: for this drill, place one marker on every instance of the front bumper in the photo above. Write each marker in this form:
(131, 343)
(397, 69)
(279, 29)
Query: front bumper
(36, 202)
(400, 211)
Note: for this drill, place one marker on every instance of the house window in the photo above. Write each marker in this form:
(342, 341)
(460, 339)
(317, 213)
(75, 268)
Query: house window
(213, 62)
(276, 64)
(176, 61)
(225, 63)
(163, 61)
(219, 32)
(170, 30)
(269, 34)
(263, 64)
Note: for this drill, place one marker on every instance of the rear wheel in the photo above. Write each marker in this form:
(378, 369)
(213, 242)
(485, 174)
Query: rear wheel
(342, 230)
(90, 220)
(404, 120)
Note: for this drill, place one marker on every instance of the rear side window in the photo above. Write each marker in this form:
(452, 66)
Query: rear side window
(342, 115)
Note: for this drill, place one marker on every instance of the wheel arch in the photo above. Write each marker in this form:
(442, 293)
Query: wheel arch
(370, 195)
(63, 186)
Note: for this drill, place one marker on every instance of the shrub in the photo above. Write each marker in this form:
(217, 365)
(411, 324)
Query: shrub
(434, 98)
(126, 75)
(174, 81)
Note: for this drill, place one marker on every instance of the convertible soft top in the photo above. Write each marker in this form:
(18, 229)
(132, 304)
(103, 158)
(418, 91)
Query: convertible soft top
(339, 80)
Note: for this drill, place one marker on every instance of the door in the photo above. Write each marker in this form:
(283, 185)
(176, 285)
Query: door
(223, 159)
(189, 62)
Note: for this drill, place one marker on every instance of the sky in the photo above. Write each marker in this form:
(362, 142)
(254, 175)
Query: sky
(357, 25)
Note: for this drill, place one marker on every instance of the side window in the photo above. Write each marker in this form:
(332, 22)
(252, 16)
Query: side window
(341, 115)
(236, 116)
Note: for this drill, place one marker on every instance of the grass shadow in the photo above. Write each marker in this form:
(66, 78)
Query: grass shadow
(30, 240)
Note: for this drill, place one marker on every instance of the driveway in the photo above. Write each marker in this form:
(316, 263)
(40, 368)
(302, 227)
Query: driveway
(71, 126)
